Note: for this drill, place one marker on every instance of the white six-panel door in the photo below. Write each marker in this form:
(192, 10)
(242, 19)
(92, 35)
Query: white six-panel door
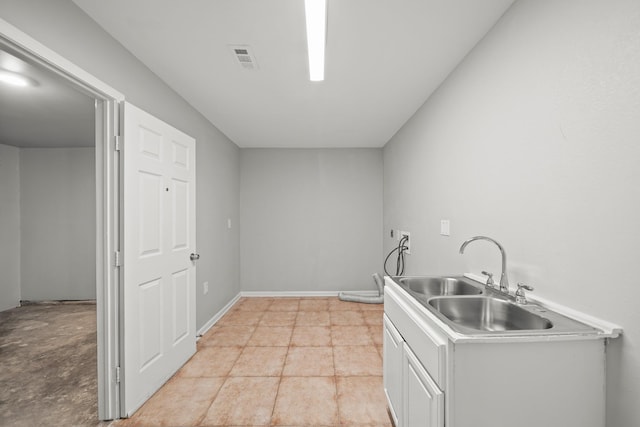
(159, 236)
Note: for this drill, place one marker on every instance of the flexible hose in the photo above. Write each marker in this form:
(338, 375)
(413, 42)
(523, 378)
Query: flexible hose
(401, 248)
(367, 299)
(379, 299)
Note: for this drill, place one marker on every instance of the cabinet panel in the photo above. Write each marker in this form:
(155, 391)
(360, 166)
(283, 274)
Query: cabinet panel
(424, 339)
(392, 369)
(562, 383)
(423, 400)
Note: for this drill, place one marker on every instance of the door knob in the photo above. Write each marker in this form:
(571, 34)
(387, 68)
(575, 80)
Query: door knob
(194, 257)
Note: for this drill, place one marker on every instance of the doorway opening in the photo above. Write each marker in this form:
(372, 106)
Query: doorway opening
(61, 224)
(48, 331)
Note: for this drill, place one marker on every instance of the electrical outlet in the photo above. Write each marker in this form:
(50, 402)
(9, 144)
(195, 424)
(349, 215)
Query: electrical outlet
(205, 288)
(402, 234)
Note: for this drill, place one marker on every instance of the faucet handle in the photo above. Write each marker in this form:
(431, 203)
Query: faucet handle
(520, 296)
(490, 282)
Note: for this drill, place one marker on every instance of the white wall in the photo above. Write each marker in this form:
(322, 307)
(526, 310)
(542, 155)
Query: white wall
(58, 218)
(66, 29)
(311, 219)
(9, 227)
(534, 140)
(218, 193)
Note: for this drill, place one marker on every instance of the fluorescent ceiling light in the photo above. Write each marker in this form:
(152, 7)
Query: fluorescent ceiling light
(13, 79)
(316, 14)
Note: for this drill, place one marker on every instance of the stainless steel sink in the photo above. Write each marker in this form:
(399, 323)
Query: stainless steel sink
(470, 308)
(488, 314)
(439, 286)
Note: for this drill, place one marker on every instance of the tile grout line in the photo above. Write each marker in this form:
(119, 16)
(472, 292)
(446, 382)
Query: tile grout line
(335, 381)
(226, 377)
(275, 400)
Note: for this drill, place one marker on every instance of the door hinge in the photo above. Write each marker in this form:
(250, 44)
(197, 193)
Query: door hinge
(117, 374)
(117, 261)
(117, 142)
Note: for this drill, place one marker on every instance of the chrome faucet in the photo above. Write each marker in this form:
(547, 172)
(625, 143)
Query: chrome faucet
(490, 282)
(520, 296)
(504, 281)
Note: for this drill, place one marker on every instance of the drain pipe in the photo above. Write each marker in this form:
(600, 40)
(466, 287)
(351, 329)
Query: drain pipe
(367, 299)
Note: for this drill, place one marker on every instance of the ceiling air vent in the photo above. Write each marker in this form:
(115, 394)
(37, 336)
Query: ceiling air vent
(244, 56)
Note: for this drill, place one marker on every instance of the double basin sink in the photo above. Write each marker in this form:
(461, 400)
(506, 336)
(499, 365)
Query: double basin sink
(469, 308)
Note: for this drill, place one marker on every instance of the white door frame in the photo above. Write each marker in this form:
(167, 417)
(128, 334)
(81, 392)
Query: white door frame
(107, 207)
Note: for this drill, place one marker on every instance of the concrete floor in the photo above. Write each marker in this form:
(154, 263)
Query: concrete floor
(48, 365)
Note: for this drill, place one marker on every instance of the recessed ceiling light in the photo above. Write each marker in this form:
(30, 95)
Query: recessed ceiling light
(14, 79)
(316, 16)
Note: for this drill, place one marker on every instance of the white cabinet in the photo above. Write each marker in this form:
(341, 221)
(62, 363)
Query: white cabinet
(505, 382)
(414, 397)
(392, 368)
(423, 400)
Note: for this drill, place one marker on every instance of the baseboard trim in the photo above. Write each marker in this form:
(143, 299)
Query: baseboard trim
(58, 302)
(301, 294)
(217, 316)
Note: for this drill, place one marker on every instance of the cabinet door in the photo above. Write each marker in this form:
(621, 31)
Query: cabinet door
(423, 400)
(392, 369)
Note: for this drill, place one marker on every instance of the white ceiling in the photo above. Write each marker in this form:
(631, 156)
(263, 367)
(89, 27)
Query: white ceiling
(51, 113)
(384, 59)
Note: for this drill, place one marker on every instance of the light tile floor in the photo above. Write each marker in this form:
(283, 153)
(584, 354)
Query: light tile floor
(279, 362)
